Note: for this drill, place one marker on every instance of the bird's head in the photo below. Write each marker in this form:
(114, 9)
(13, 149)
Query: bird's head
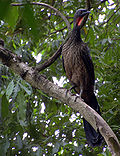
(78, 17)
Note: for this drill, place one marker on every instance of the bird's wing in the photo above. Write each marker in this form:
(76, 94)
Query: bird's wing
(88, 63)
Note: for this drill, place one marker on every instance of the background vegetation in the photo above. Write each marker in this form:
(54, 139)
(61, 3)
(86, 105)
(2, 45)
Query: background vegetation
(31, 122)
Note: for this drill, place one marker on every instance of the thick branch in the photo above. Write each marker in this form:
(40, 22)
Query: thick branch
(49, 6)
(40, 82)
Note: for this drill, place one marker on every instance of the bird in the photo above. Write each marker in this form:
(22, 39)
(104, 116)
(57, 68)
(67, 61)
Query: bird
(79, 69)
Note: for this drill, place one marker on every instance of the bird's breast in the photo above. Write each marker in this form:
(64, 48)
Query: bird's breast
(72, 56)
(74, 64)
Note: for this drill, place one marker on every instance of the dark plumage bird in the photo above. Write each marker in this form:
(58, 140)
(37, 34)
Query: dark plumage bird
(80, 72)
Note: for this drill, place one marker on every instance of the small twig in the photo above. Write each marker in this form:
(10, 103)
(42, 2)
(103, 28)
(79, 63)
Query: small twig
(115, 18)
(62, 20)
(60, 29)
(115, 39)
(49, 6)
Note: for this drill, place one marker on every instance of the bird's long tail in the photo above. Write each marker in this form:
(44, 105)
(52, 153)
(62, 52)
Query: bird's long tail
(94, 138)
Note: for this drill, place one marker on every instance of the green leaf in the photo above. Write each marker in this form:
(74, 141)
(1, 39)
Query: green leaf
(20, 100)
(28, 91)
(39, 151)
(16, 90)
(56, 148)
(4, 8)
(12, 16)
(104, 41)
(19, 142)
(9, 89)
(4, 106)
(29, 19)
(4, 145)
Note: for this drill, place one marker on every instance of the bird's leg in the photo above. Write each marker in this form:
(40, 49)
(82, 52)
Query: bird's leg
(73, 87)
(81, 91)
(79, 95)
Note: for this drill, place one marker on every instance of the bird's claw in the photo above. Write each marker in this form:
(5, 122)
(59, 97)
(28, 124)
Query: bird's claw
(69, 90)
(78, 96)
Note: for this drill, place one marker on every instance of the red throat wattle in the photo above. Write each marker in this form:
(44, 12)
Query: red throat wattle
(79, 20)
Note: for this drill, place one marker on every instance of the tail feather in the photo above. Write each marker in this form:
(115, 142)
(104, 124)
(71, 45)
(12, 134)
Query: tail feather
(94, 138)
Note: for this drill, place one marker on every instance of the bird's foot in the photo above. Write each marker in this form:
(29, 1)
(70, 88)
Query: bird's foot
(78, 96)
(69, 90)
(73, 87)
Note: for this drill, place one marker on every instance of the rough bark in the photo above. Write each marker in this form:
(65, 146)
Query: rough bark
(41, 82)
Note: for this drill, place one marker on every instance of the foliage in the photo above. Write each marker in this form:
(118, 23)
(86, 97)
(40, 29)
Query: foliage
(31, 122)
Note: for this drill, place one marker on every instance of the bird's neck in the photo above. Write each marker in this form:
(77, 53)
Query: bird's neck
(76, 34)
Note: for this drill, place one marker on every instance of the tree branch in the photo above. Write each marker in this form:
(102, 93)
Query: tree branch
(49, 6)
(39, 81)
(60, 29)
